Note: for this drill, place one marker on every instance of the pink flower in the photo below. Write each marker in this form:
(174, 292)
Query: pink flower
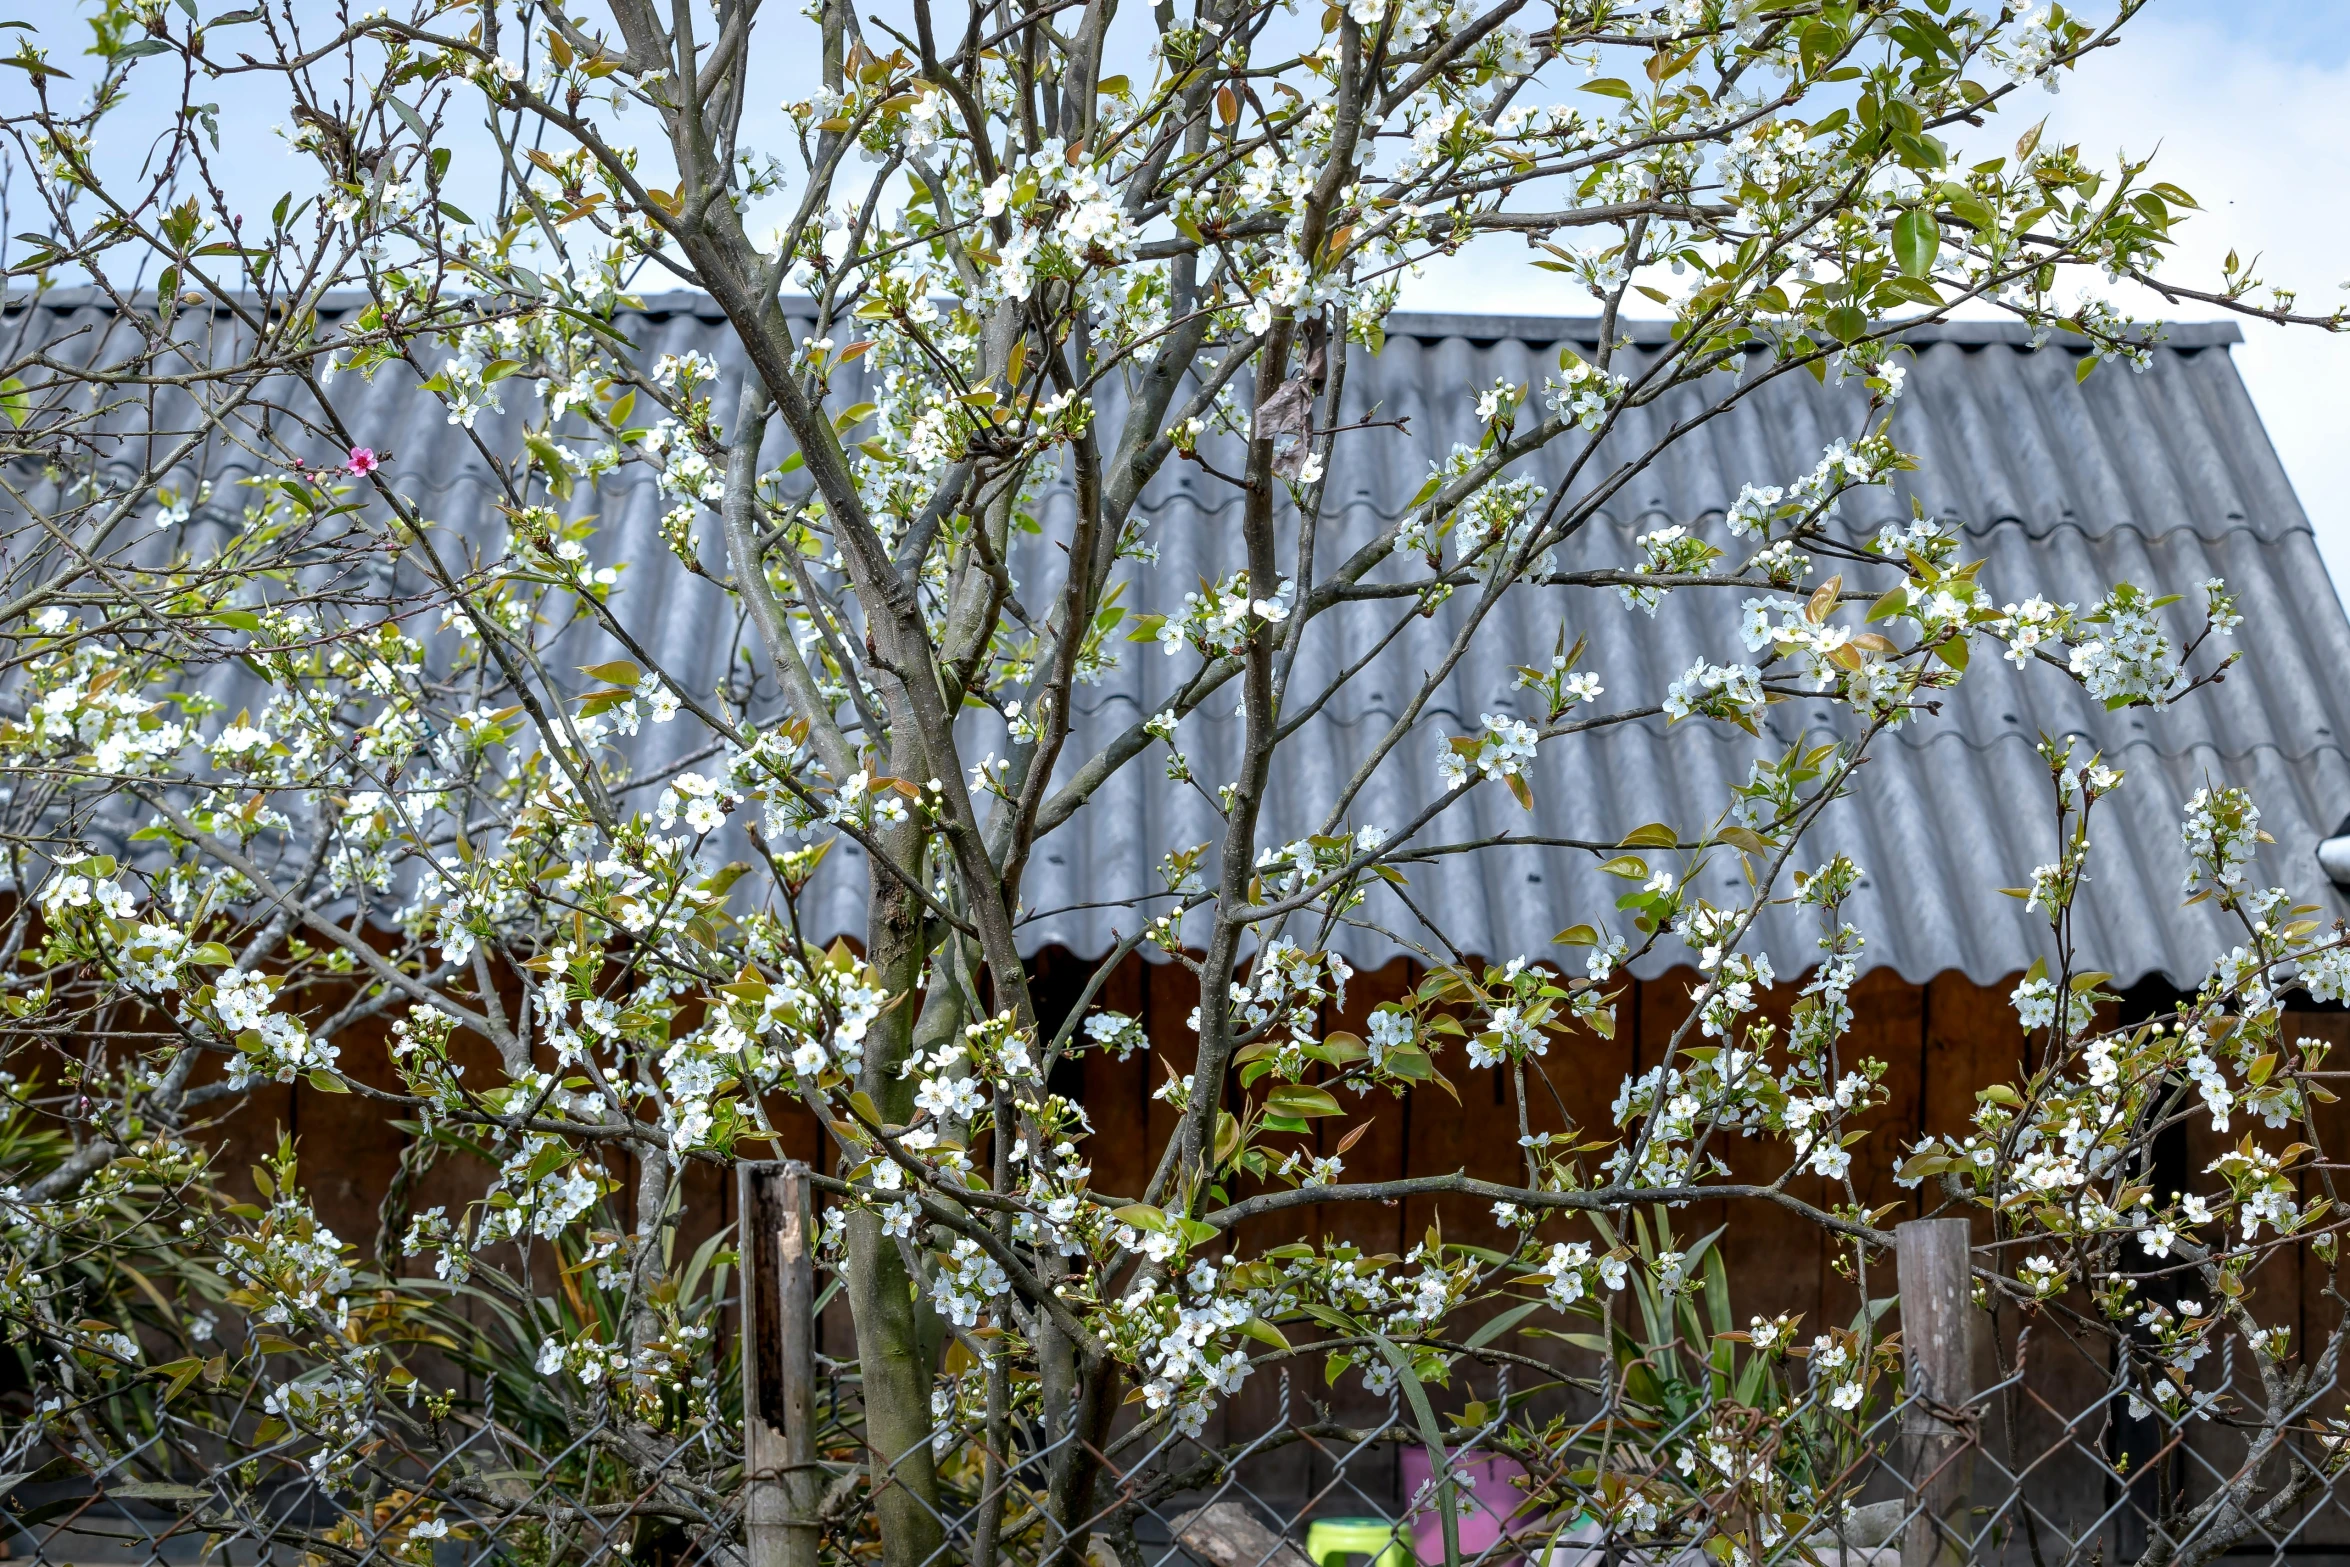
(363, 461)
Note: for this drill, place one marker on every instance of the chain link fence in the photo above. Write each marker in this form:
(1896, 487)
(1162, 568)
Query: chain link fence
(1652, 1459)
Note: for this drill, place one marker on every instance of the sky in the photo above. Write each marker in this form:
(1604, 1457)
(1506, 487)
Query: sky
(2245, 103)
(2250, 102)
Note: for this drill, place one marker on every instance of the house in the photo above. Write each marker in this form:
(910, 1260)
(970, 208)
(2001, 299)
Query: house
(2064, 486)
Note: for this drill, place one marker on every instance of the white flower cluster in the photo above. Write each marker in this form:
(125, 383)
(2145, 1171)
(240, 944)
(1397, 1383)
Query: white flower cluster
(1065, 222)
(1574, 1273)
(1737, 978)
(1219, 619)
(68, 890)
(1836, 1373)
(1311, 1169)
(2029, 53)
(296, 1266)
(703, 802)
(1726, 691)
(2034, 1001)
(2220, 834)
(1501, 749)
(966, 1281)
(1116, 1031)
(1757, 509)
(2025, 626)
(1671, 551)
(1391, 1028)
(1843, 466)
(121, 731)
(1287, 984)
(1305, 862)
(956, 1080)
(1488, 526)
(2127, 658)
(1929, 538)
(1193, 1357)
(1585, 394)
(1511, 1030)
(543, 1188)
(271, 1045)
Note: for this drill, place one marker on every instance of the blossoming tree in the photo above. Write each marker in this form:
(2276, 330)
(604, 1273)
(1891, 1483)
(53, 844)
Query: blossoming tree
(989, 253)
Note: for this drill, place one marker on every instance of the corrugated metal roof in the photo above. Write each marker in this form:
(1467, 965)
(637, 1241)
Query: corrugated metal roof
(2163, 477)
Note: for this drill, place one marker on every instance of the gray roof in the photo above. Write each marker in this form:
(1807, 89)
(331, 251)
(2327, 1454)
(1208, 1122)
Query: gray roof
(2163, 477)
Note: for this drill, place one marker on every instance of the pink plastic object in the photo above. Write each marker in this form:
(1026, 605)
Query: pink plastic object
(1496, 1504)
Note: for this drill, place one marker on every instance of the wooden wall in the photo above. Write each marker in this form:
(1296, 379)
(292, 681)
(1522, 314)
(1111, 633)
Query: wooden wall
(1940, 1042)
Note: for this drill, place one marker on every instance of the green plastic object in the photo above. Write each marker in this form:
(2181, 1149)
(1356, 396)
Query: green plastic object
(1330, 1541)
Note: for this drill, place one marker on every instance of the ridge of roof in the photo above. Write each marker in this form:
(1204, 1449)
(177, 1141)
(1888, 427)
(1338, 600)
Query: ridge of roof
(1432, 325)
(1927, 733)
(1498, 327)
(434, 489)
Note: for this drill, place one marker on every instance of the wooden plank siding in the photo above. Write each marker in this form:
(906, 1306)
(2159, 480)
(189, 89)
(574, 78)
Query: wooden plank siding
(1940, 1042)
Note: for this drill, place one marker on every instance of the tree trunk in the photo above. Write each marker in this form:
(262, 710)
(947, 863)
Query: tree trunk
(893, 1368)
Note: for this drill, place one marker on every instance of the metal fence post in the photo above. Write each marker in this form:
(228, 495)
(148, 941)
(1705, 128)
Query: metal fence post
(1937, 1299)
(780, 1483)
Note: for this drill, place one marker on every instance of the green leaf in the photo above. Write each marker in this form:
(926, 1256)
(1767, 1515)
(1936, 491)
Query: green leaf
(1744, 839)
(15, 402)
(410, 118)
(182, 1372)
(1264, 1333)
(1917, 239)
(33, 65)
(1908, 290)
(1410, 1061)
(1503, 1323)
(1301, 1100)
(1432, 1437)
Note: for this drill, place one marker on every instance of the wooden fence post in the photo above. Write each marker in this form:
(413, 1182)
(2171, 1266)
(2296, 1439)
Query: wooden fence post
(780, 1482)
(1937, 1301)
